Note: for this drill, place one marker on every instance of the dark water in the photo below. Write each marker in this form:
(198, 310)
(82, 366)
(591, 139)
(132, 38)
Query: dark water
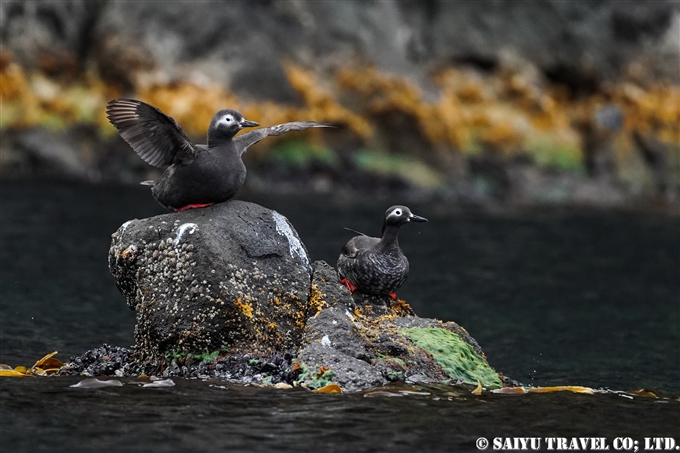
(553, 297)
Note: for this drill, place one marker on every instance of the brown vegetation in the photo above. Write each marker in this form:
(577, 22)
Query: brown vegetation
(505, 112)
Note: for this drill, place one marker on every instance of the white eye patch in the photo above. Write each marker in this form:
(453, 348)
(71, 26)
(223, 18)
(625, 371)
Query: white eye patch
(395, 214)
(226, 120)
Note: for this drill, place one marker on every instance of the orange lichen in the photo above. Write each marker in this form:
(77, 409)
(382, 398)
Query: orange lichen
(316, 301)
(245, 307)
(401, 308)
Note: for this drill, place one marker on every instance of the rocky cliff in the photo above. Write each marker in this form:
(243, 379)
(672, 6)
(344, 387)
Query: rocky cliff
(466, 101)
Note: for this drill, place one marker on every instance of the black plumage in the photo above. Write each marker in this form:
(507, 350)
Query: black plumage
(195, 175)
(377, 265)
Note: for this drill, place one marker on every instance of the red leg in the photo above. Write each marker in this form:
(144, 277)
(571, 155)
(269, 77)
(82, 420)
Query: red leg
(193, 206)
(393, 296)
(350, 286)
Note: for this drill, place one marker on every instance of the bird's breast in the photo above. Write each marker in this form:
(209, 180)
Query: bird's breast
(387, 263)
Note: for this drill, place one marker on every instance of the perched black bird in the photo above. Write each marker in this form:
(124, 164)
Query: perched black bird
(377, 266)
(196, 175)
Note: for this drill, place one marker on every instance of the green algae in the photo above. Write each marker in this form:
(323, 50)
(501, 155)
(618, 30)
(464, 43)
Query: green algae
(314, 378)
(456, 357)
(185, 357)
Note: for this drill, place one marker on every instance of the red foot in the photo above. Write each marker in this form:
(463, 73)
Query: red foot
(393, 295)
(193, 206)
(350, 286)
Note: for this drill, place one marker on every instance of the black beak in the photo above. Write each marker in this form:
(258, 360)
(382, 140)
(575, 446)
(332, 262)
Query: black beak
(246, 123)
(416, 218)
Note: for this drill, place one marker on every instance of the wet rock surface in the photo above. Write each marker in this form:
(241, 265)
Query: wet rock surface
(103, 361)
(230, 277)
(242, 368)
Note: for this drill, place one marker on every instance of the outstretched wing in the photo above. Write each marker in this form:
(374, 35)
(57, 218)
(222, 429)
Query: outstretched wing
(243, 141)
(154, 136)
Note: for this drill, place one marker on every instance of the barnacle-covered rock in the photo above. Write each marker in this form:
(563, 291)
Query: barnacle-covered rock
(234, 276)
(229, 292)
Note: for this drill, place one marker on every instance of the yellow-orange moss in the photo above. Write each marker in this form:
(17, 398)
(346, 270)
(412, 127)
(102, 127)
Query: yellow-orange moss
(322, 103)
(401, 308)
(245, 307)
(35, 98)
(507, 111)
(316, 300)
(383, 92)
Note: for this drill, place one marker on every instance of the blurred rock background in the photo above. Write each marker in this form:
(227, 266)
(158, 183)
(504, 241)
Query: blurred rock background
(472, 102)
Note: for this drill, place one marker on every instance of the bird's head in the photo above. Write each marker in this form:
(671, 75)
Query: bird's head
(399, 215)
(226, 123)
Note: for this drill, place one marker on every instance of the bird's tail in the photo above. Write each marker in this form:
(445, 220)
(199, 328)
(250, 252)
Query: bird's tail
(148, 183)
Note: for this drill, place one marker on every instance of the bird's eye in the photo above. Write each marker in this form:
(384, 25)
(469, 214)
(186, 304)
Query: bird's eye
(228, 119)
(397, 212)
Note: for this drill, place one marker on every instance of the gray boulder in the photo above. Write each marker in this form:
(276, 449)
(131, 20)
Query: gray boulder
(231, 277)
(360, 342)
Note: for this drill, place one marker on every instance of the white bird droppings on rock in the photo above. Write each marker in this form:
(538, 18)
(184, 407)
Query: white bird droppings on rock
(124, 226)
(294, 244)
(325, 341)
(191, 227)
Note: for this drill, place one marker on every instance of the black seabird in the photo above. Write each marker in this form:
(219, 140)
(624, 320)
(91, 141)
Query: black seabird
(377, 265)
(195, 175)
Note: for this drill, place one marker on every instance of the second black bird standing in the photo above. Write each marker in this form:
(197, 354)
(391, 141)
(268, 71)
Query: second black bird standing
(195, 175)
(377, 265)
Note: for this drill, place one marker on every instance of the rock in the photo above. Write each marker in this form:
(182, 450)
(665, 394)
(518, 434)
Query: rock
(228, 292)
(231, 277)
(54, 36)
(360, 342)
(103, 361)
(575, 42)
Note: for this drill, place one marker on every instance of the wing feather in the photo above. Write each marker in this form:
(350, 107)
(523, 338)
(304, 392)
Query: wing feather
(243, 141)
(358, 243)
(155, 137)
